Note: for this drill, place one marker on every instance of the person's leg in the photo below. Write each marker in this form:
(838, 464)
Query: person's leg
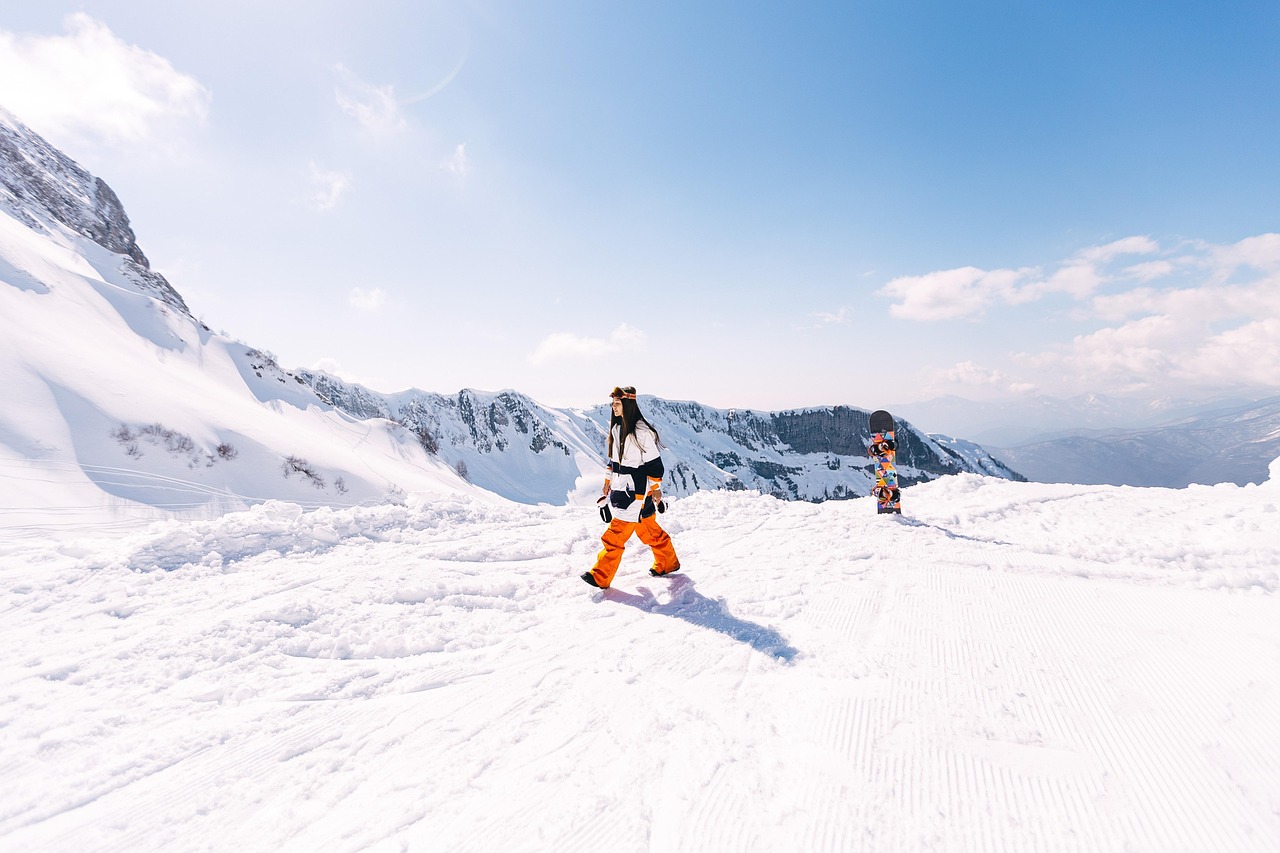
(651, 533)
(614, 539)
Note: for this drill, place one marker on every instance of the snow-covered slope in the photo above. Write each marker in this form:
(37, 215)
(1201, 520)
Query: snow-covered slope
(118, 401)
(1016, 666)
(1233, 445)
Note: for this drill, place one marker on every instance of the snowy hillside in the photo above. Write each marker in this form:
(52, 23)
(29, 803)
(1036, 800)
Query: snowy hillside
(1012, 666)
(1233, 445)
(116, 399)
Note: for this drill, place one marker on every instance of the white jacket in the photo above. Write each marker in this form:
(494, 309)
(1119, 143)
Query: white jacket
(634, 470)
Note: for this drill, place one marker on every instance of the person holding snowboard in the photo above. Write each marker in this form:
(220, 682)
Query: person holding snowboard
(632, 492)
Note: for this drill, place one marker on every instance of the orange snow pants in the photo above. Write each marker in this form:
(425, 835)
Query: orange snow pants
(615, 539)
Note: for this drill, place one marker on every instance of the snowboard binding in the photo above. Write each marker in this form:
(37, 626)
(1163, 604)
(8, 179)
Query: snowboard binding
(886, 494)
(882, 448)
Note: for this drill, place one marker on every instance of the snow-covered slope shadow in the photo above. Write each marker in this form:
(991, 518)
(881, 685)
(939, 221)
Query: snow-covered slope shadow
(692, 606)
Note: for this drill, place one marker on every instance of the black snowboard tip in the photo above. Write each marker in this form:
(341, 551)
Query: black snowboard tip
(881, 421)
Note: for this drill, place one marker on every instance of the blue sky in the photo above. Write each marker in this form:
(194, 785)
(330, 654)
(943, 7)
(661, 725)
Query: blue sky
(744, 204)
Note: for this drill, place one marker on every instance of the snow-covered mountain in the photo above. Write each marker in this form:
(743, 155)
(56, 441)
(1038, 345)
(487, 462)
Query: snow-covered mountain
(1232, 445)
(510, 444)
(118, 398)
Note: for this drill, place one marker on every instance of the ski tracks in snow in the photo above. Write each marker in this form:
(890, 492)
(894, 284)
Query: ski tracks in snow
(435, 677)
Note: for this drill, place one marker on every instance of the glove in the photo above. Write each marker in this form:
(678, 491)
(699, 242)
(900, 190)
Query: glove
(650, 505)
(606, 514)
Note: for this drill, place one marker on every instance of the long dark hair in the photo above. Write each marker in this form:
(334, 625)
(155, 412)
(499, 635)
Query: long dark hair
(630, 418)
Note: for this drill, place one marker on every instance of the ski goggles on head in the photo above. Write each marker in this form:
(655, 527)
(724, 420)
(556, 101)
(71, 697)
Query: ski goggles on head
(623, 392)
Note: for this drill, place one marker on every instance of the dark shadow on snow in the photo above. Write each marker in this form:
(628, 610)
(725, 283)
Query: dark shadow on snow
(694, 607)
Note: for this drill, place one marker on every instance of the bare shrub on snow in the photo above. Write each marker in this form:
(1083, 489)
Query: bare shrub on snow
(128, 440)
(170, 440)
(298, 465)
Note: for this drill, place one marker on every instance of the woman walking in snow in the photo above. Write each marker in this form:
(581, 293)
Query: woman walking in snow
(632, 492)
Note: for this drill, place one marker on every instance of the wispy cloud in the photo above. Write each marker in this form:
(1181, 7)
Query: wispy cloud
(1220, 329)
(366, 300)
(460, 164)
(565, 346)
(969, 291)
(327, 187)
(952, 294)
(1194, 317)
(376, 108)
(841, 317)
(89, 85)
(970, 375)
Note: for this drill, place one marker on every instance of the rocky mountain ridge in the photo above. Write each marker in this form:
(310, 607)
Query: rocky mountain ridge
(812, 454)
(39, 183)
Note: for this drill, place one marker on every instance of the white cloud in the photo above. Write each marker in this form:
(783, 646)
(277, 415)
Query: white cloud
(1197, 317)
(565, 346)
(366, 300)
(1261, 253)
(1220, 329)
(951, 294)
(1247, 355)
(459, 164)
(970, 291)
(970, 375)
(1149, 270)
(327, 186)
(840, 318)
(90, 86)
(1113, 250)
(376, 108)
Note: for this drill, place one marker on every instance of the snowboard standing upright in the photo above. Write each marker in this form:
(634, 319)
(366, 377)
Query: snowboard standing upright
(884, 450)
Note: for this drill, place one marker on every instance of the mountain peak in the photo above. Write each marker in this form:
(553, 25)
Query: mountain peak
(44, 188)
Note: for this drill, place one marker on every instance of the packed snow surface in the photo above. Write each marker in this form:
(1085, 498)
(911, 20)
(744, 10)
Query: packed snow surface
(1010, 666)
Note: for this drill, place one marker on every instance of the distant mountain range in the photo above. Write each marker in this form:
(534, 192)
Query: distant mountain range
(117, 398)
(1230, 445)
(1022, 420)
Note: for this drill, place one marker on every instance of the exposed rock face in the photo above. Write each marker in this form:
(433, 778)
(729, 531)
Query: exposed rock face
(40, 185)
(838, 429)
